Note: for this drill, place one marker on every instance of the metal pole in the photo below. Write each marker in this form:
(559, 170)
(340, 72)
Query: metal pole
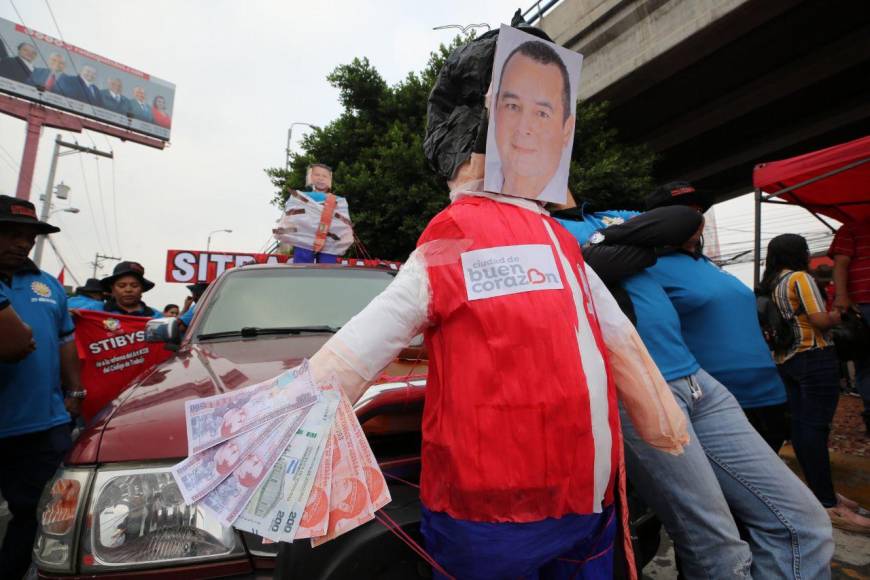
(289, 136)
(756, 270)
(46, 203)
(208, 243)
(28, 157)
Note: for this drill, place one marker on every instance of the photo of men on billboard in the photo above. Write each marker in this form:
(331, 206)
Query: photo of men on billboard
(40, 68)
(532, 101)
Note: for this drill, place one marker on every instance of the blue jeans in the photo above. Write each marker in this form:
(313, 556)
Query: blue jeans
(812, 381)
(726, 469)
(304, 256)
(573, 546)
(862, 370)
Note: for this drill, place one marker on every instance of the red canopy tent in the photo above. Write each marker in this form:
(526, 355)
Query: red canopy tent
(833, 182)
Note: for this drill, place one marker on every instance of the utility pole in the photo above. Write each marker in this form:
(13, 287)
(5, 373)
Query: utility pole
(98, 262)
(49, 188)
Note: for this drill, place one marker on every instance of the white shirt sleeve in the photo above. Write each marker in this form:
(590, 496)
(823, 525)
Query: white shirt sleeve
(364, 346)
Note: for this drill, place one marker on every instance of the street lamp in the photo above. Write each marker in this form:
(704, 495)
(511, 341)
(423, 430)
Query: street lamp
(65, 209)
(290, 136)
(208, 243)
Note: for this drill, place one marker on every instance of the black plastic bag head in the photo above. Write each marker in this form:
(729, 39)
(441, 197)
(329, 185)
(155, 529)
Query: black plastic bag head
(456, 116)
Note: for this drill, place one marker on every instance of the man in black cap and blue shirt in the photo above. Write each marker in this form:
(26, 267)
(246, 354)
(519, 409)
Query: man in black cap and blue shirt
(37, 393)
(88, 297)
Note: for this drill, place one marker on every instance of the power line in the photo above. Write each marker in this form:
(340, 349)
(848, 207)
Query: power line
(24, 24)
(63, 262)
(115, 205)
(103, 203)
(69, 239)
(71, 61)
(90, 204)
(13, 163)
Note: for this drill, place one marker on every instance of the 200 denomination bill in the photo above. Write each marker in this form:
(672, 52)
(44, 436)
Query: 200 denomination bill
(276, 508)
(213, 420)
(229, 498)
(199, 474)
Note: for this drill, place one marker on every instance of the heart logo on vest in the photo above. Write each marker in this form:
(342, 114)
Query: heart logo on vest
(536, 276)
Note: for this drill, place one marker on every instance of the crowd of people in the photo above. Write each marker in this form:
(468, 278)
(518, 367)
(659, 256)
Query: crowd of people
(41, 392)
(621, 348)
(82, 85)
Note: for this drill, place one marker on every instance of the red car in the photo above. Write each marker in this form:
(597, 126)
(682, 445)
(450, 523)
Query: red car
(113, 509)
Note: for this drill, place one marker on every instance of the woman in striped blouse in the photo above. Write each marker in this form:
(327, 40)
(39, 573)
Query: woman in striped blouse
(810, 372)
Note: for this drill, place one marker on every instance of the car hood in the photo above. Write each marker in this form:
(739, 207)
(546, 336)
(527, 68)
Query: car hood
(146, 422)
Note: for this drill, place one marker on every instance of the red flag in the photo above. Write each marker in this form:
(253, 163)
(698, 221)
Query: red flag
(60, 276)
(113, 352)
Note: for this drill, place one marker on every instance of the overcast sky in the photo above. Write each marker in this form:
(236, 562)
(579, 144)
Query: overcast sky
(243, 72)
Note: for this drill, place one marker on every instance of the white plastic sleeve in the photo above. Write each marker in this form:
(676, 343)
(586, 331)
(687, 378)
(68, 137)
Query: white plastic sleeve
(364, 346)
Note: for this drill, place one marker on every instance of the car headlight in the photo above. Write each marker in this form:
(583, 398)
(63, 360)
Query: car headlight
(60, 510)
(137, 518)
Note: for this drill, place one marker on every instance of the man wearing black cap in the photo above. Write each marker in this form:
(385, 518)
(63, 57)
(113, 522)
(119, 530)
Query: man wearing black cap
(196, 292)
(88, 297)
(719, 322)
(700, 326)
(125, 287)
(34, 417)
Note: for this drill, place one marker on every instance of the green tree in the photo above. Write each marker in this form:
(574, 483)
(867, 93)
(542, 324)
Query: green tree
(376, 149)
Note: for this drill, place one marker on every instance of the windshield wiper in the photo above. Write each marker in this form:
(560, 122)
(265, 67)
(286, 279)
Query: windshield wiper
(254, 331)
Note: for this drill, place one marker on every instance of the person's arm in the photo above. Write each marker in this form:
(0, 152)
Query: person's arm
(659, 227)
(17, 336)
(812, 302)
(70, 366)
(357, 353)
(646, 396)
(842, 303)
(614, 263)
(70, 375)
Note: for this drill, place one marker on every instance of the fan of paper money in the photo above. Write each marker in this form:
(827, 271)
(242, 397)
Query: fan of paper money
(284, 459)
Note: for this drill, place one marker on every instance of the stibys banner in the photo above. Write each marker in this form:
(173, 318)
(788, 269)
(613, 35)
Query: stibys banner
(189, 266)
(113, 352)
(46, 70)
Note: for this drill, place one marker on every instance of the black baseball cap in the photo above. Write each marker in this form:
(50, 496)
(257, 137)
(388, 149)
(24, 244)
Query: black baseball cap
(21, 211)
(677, 193)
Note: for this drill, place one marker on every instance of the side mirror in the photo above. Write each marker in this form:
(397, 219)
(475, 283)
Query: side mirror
(166, 330)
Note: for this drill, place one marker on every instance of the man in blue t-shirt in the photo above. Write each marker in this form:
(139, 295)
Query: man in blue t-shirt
(36, 392)
(727, 473)
(719, 322)
(88, 297)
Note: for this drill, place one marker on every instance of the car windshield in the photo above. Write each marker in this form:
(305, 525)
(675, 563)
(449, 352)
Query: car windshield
(289, 298)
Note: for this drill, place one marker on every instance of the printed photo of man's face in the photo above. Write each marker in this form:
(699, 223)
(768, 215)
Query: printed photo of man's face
(531, 118)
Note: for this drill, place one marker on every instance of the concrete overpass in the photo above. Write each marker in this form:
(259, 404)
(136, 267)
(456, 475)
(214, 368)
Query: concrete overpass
(716, 86)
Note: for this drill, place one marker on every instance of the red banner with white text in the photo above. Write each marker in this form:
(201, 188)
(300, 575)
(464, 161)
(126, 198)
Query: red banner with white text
(191, 266)
(113, 352)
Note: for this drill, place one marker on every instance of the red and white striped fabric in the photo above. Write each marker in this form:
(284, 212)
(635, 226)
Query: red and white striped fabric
(520, 422)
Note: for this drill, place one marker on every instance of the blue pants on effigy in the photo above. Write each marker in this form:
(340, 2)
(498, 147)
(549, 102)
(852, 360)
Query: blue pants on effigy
(573, 546)
(305, 256)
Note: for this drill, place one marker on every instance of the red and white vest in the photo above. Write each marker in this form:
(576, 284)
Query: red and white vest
(520, 421)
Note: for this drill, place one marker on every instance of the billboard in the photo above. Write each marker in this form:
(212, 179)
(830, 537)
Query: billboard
(189, 266)
(43, 69)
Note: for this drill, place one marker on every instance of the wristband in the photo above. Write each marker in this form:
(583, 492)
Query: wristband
(77, 394)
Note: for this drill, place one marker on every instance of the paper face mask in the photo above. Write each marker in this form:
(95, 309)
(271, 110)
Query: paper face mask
(531, 117)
